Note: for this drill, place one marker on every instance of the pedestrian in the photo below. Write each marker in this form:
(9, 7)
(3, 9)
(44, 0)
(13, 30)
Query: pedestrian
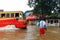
(20, 16)
(38, 22)
(17, 18)
(42, 26)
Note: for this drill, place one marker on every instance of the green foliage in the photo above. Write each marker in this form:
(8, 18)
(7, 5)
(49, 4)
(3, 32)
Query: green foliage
(42, 6)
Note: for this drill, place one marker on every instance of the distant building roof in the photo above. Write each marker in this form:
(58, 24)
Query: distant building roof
(52, 17)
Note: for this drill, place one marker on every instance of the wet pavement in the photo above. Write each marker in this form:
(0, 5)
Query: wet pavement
(31, 33)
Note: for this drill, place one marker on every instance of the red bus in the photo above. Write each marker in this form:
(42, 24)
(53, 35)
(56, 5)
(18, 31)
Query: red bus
(12, 18)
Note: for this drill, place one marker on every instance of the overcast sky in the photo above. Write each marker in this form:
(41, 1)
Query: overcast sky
(14, 5)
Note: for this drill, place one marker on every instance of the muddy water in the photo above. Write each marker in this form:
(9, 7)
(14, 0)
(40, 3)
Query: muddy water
(21, 34)
(31, 33)
(12, 35)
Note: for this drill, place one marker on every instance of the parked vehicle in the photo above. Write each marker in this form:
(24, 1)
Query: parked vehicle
(12, 18)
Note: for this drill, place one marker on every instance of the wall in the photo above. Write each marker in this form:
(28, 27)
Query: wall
(52, 24)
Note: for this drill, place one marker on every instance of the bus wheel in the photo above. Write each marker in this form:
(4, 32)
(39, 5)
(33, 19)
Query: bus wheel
(24, 28)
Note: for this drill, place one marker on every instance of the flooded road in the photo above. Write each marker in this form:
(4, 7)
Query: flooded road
(21, 34)
(31, 33)
(12, 35)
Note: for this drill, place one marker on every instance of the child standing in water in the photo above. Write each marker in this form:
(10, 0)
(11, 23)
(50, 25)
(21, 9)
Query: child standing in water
(42, 26)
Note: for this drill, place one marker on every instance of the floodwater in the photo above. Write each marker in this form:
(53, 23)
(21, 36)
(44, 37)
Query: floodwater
(31, 33)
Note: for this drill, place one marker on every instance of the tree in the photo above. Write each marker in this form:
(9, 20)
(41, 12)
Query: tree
(42, 6)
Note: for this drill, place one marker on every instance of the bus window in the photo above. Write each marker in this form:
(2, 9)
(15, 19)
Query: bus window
(16, 14)
(7, 15)
(12, 14)
(2, 15)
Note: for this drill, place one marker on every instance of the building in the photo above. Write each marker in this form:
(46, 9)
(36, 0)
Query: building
(53, 22)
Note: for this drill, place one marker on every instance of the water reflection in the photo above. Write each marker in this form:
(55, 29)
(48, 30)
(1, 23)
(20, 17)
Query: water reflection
(31, 33)
(12, 35)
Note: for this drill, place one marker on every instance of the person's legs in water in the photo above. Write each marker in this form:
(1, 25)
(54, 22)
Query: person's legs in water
(42, 32)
